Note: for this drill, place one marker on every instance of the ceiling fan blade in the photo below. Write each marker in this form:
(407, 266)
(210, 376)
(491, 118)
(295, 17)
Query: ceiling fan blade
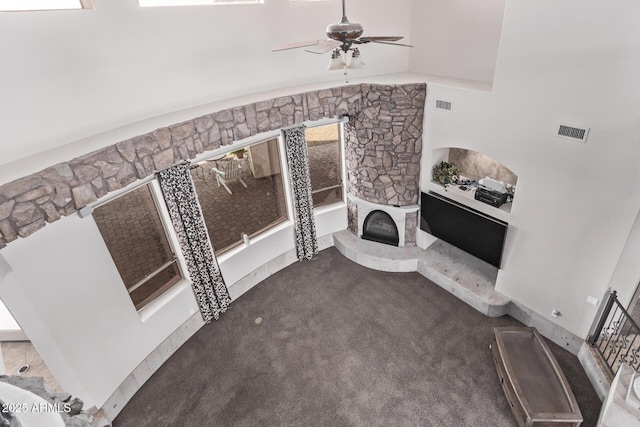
(380, 38)
(324, 46)
(392, 44)
(295, 45)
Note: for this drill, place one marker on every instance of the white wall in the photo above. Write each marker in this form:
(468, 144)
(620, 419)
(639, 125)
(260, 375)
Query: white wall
(9, 328)
(456, 38)
(569, 61)
(70, 75)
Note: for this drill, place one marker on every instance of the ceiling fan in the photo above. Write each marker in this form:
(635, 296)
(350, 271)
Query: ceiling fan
(343, 36)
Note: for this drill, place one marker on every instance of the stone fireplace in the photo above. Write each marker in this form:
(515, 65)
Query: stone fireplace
(405, 219)
(383, 147)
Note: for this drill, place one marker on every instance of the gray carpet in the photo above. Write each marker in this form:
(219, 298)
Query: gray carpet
(339, 345)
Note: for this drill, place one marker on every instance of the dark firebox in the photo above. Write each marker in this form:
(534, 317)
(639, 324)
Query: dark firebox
(380, 227)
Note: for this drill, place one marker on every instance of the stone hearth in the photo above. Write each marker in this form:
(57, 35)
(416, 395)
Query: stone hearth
(465, 276)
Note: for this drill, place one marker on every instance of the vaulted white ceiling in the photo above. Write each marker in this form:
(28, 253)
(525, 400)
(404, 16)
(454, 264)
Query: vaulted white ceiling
(69, 75)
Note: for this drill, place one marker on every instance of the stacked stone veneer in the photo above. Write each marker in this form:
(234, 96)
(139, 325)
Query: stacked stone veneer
(384, 145)
(382, 152)
(410, 229)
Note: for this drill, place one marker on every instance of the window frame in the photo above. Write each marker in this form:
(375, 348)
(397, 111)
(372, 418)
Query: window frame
(341, 149)
(284, 169)
(284, 172)
(161, 209)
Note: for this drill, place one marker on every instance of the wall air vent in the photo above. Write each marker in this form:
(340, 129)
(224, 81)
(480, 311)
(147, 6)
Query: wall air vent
(443, 105)
(572, 132)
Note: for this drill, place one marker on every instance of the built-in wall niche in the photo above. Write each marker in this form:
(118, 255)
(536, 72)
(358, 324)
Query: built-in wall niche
(475, 166)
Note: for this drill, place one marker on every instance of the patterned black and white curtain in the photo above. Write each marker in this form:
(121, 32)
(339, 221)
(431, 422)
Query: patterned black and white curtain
(298, 159)
(186, 217)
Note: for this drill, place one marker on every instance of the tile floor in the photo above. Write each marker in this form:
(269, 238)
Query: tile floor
(18, 353)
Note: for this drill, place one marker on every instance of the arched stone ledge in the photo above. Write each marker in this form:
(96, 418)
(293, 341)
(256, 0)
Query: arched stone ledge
(383, 147)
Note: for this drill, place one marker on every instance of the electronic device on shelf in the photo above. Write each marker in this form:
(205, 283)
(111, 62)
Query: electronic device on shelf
(491, 192)
(492, 184)
(490, 196)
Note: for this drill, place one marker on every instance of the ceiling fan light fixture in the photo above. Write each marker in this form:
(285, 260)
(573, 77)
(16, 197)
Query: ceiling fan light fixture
(356, 60)
(341, 37)
(336, 63)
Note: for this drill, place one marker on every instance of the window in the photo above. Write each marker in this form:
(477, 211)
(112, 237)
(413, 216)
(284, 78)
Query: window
(26, 5)
(241, 195)
(136, 238)
(325, 163)
(154, 3)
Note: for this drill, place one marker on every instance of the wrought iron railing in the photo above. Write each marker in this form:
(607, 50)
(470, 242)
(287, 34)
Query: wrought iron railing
(615, 336)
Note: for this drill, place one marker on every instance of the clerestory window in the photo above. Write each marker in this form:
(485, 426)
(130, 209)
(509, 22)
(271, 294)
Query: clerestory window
(32, 5)
(160, 3)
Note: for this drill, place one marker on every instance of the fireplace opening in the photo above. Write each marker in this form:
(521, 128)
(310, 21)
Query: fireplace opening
(380, 227)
